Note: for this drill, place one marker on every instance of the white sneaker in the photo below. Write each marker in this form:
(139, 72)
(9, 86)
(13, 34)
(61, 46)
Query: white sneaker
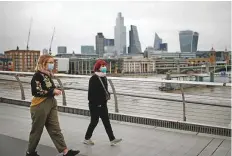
(115, 141)
(88, 142)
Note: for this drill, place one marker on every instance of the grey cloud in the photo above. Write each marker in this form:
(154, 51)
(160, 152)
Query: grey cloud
(78, 22)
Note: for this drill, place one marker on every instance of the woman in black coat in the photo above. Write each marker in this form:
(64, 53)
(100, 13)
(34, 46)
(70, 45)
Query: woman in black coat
(98, 95)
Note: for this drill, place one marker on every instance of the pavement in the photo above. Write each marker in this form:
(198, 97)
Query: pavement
(138, 140)
(10, 146)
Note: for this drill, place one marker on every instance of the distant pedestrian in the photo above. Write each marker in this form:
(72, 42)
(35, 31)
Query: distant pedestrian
(44, 108)
(98, 95)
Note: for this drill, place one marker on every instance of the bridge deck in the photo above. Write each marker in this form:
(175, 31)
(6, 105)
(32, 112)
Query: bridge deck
(137, 139)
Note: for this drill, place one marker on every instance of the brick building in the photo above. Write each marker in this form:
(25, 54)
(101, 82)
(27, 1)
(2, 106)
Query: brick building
(23, 60)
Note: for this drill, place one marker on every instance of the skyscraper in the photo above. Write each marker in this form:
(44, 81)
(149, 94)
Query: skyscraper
(109, 42)
(109, 47)
(62, 50)
(157, 42)
(188, 41)
(100, 43)
(134, 43)
(120, 35)
(163, 47)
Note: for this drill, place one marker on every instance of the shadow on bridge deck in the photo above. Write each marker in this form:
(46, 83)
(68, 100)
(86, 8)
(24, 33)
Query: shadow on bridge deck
(10, 146)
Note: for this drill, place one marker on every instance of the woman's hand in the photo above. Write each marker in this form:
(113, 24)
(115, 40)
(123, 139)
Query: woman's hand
(57, 92)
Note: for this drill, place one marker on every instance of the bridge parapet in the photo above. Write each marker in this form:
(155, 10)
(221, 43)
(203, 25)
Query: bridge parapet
(138, 100)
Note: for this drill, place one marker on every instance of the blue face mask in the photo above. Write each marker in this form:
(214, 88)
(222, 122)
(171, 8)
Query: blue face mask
(50, 66)
(103, 69)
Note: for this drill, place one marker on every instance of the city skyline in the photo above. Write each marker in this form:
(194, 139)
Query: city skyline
(77, 23)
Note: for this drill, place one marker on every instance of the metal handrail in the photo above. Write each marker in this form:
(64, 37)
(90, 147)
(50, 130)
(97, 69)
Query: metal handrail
(129, 79)
(21, 87)
(58, 76)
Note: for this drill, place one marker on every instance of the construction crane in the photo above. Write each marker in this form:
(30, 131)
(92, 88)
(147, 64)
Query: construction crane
(28, 39)
(50, 53)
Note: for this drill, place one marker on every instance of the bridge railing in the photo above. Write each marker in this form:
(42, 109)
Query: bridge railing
(204, 103)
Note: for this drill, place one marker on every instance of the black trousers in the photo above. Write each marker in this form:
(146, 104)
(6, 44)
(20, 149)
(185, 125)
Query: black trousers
(95, 113)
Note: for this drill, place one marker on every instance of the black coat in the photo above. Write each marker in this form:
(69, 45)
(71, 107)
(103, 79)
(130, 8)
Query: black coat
(96, 92)
(42, 85)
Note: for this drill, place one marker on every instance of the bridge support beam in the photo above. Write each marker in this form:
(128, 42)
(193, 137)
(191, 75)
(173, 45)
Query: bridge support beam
(168, 77)
(199, 78)
(207, 68)
(211, 76)
(178, 69)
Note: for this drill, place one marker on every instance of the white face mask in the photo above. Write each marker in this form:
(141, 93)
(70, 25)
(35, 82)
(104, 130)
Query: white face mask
(50, 66)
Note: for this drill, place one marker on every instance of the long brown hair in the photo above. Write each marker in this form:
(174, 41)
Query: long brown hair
(42, 62)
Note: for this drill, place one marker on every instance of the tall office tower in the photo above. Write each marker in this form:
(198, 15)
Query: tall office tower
(157, 42)
(120, 35)
(188, 41)
(134, 43)
(100, 43)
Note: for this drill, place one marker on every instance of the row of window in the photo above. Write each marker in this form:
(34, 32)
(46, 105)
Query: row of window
(25, 61)
(16, 56)
(22, 53)
(22, 57)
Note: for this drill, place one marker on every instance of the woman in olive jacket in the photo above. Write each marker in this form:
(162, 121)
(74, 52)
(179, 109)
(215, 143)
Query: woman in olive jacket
(43, 109)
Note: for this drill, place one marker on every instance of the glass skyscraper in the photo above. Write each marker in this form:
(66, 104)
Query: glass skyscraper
(120, 35)
(157, 42)
(188, 41)
(134, 43)
(109, 42)
(100, 43)
(163, 47)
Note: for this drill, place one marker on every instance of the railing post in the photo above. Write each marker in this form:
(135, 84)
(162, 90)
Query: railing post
(115, 96)
(183, 99)
(21, 87)
(63, 92)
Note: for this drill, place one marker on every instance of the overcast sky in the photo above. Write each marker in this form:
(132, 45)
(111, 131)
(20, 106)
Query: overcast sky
(78, 22)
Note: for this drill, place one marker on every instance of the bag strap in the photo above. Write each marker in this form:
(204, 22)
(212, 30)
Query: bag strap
(103, 85)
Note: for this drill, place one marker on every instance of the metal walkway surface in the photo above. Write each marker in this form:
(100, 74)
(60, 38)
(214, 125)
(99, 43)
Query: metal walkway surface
(15, 124)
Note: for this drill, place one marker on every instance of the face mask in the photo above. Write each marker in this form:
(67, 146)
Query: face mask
(103, 69)
(50, 66)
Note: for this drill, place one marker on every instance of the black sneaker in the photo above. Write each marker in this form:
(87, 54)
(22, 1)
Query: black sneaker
(72, 153)
(32, 154)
